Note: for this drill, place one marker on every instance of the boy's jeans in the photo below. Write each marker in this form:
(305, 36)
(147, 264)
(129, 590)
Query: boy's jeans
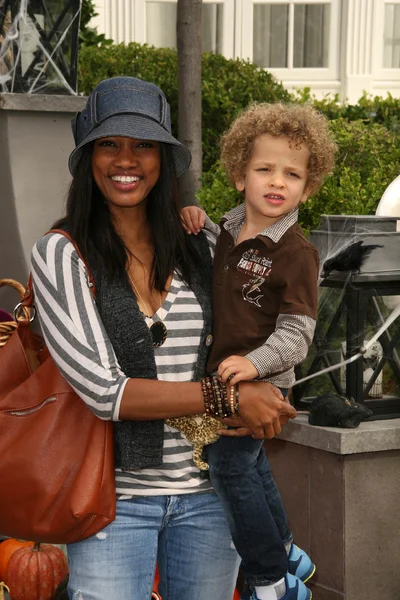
(187, 535)
(241, 476)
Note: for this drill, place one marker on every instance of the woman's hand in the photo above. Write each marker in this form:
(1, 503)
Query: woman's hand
(193, 219)
(262, 409)
(241, 429)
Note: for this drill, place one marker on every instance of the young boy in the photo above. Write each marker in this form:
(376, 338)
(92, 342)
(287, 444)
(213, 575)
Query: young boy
(265, 293)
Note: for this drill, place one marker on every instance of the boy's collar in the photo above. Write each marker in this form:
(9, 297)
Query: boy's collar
(234, 219)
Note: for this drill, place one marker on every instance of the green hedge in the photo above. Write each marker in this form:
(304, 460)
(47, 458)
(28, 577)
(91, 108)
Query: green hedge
(367, 161)
(385, 111)
(367, 133)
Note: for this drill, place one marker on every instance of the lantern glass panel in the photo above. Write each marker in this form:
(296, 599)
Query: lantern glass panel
(39, 46)
(357, 337)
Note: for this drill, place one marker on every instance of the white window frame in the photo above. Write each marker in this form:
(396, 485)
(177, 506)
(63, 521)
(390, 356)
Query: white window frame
(228, 22)
(379, 72)
(244, 41)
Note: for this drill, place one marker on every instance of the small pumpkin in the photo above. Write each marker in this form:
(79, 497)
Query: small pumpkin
(7, 549)
(4, 591)
(35, 571)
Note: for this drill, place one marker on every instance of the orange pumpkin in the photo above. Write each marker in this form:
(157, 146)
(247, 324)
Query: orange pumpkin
(35, 571)
(7, 548)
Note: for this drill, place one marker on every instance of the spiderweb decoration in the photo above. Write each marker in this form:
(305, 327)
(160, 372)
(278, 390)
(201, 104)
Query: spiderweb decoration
(39, 46)
(357, 340)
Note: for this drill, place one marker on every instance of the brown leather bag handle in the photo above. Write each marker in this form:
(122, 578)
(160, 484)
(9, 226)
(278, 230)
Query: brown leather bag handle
(29, 295)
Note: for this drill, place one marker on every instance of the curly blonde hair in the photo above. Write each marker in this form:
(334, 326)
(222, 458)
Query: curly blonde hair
(302, 124)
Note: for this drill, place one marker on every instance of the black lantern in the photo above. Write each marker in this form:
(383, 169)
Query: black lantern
(39, 46)
(354, 317)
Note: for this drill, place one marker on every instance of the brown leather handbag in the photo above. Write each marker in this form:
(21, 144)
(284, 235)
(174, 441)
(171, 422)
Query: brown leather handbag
(57, 481)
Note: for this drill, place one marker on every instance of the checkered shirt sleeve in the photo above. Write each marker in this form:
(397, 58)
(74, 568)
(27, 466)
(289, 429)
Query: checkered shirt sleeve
(212, 227)
(286, 347)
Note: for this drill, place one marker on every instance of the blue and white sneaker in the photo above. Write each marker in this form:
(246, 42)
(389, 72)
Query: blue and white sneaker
(300, 564)
(295, 590)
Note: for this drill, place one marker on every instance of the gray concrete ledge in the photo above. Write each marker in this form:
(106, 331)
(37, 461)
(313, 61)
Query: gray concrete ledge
(42, 102)
(373, 436)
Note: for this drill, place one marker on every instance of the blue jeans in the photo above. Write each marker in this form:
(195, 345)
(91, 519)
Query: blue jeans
(241, 475)
(187, 535)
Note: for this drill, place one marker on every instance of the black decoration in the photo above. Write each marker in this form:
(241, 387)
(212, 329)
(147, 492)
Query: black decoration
(159, 333)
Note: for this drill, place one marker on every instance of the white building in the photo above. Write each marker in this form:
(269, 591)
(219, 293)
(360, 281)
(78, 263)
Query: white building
(337, 46)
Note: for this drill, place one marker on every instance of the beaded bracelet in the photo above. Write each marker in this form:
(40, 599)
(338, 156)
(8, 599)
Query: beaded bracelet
(208, 396)
(220, 399)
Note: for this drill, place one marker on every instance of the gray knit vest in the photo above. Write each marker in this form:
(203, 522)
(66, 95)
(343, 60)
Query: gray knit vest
(139, 444)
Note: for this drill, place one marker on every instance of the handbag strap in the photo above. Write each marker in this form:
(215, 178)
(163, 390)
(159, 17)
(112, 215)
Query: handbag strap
(29, 295)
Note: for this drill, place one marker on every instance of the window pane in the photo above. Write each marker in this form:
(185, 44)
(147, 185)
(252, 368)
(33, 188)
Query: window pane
(311, 35)
(391, 46)
(212, 27)
(270, 27)
(161, 25)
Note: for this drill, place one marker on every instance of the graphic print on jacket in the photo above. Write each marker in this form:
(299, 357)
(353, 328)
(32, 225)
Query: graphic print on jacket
(251, 263)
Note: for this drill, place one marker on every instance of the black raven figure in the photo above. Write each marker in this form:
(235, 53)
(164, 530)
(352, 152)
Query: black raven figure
(331, 410)
(351, 258)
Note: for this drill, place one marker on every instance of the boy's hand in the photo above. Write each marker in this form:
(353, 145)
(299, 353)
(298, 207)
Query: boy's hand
(238, 366)
(193, 219)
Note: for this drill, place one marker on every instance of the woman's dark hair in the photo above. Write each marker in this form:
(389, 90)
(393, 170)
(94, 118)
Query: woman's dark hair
(89, 223)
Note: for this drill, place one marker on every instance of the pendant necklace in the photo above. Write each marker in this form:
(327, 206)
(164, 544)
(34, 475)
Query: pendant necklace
(158, 329)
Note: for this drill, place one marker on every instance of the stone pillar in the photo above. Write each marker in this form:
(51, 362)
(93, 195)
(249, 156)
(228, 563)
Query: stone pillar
(35, 142)
(341, 491)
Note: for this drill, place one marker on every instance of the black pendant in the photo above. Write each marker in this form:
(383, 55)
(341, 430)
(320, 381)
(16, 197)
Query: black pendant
(158, 333)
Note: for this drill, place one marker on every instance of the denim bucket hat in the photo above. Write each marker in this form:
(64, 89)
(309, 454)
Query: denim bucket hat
(128, 107)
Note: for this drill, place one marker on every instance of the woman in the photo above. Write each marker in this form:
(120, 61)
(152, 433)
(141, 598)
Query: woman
(137, 353)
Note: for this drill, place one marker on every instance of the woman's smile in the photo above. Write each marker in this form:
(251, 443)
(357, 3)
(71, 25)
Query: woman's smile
(126, 183)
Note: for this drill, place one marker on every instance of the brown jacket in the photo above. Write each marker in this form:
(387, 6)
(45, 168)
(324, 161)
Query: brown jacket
(256, 281)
